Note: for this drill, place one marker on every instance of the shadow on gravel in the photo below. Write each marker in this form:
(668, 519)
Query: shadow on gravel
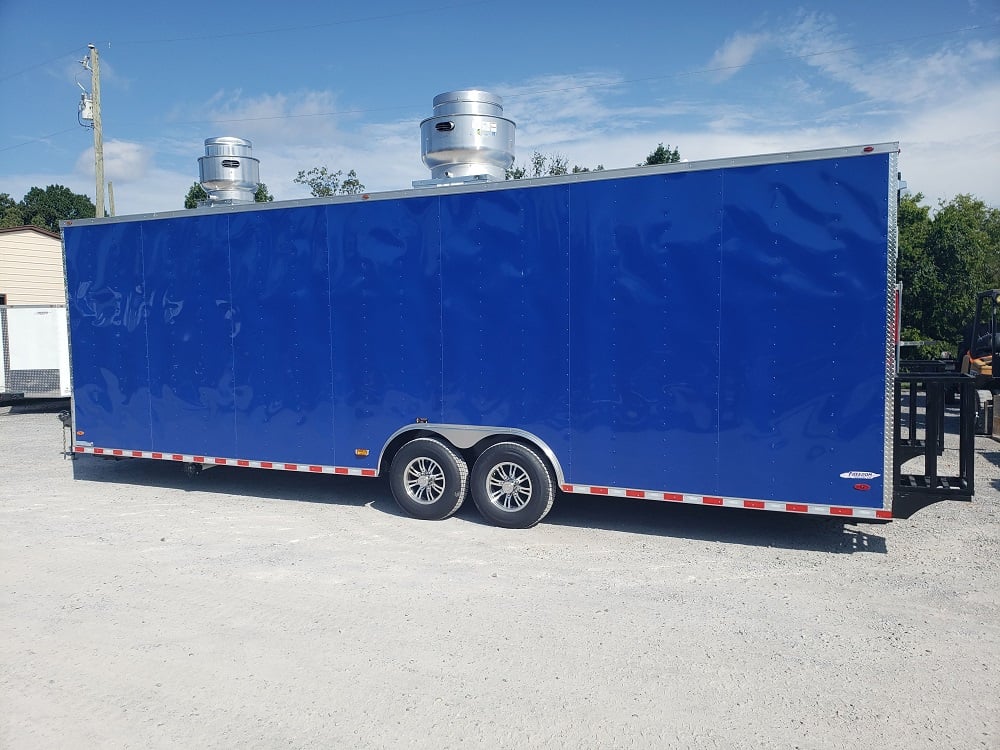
(730, 525)
(247, 482)
(994, 458)
(37, 406)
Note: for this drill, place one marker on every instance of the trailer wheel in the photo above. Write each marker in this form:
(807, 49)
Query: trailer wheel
(428, 479)
(512, 486)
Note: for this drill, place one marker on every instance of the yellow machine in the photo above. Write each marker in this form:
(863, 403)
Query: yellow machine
(979, 356)
(980, 349)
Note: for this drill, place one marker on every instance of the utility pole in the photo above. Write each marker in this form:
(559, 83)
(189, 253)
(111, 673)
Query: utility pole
(95, 77)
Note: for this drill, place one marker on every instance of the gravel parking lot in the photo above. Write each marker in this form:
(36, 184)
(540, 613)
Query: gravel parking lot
(246, 608)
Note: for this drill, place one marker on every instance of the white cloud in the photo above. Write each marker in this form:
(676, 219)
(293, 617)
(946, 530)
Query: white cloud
(124, 161)
(556, 113)
(955, 148)
(891, 75)
(295, 131)
(295, 117)
(552, 107)
(160, 190)
(737, 51)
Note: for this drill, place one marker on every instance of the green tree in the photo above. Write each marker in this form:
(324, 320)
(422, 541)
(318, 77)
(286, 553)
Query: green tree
(46, 208)
(553, 165)
(10, 212)
(964, 245)
(944, 260)
(661, 155)
(262, 195)
(915, 269)
(323, 183)
(515, 172)
(545, 165)
(197, 194)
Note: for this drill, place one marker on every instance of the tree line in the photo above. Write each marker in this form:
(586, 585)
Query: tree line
(944, 260)
(552, 165)
(45, 208)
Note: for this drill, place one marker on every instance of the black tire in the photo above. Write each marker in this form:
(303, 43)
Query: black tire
(429, 479)
(512, 486)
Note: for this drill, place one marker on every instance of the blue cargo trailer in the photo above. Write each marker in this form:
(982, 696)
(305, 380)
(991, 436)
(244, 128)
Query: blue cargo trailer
(717, 332)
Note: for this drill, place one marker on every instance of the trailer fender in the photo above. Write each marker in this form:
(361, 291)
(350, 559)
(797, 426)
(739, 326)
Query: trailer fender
(467, 437)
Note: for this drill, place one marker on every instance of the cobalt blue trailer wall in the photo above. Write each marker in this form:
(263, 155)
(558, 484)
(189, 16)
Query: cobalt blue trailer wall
(717, 329)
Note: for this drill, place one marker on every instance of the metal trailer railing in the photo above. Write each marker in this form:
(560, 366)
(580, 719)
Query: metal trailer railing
(919, 428)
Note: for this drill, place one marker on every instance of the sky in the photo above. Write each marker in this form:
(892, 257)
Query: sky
(345, 86)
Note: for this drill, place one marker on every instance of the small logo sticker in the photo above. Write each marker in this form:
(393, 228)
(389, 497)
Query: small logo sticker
(859, 475)
(862, 487)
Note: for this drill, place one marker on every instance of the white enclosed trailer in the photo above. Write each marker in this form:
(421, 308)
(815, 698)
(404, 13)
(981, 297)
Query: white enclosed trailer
(34, 352)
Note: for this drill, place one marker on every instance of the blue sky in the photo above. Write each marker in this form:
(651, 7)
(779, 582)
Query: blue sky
(346, 85)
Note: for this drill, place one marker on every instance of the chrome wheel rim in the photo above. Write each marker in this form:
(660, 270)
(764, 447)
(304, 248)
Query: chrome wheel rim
(424, 480)
(508, 487)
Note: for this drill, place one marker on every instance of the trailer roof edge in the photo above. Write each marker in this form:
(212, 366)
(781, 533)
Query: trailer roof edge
(860, 150)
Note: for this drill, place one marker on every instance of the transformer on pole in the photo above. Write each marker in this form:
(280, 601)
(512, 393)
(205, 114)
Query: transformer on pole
(90, 116)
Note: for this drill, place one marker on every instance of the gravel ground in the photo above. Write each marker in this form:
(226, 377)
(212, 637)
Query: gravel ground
(140, 609)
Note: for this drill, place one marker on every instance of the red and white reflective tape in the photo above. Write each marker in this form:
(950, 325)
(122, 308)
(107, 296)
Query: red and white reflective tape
(216, 461)
(730, 502)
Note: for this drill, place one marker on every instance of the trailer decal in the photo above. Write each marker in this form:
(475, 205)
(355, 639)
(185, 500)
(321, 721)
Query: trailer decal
(217, 461)
(860, 475)
(728, 502)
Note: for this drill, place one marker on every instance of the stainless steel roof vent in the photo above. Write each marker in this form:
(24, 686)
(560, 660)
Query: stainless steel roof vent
(467, 140)
(227, 171)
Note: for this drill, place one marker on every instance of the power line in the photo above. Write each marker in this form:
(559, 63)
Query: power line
(73, 51)
(40, 139)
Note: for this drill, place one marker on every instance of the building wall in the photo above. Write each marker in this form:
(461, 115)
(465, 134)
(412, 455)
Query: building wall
(31, 267)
